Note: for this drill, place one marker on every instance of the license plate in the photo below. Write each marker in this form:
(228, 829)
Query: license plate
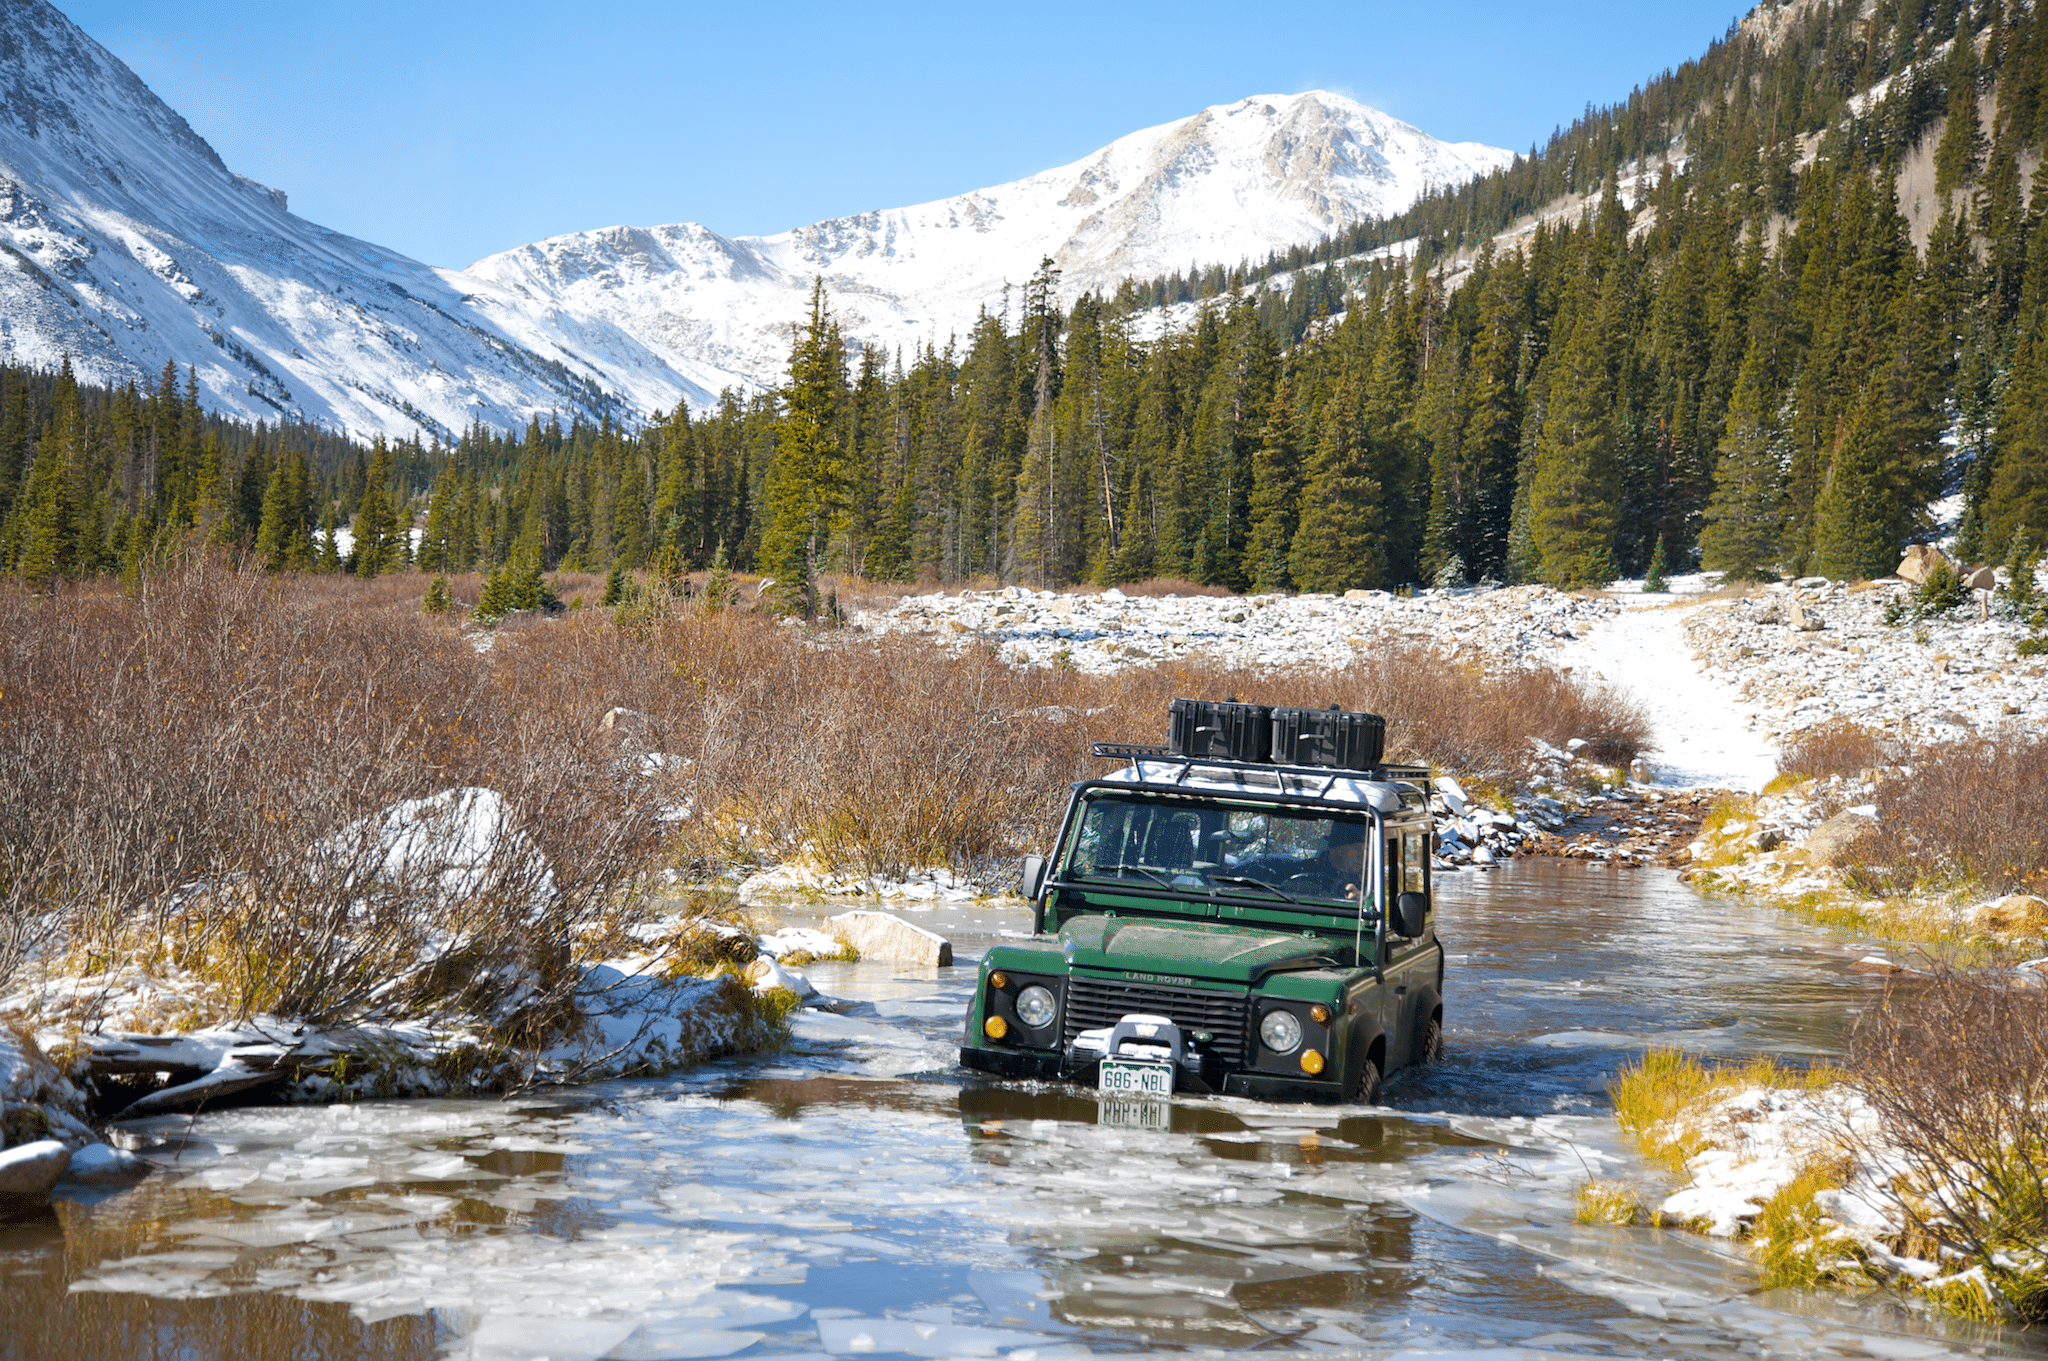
(1134, 1112)
(1134, 1077)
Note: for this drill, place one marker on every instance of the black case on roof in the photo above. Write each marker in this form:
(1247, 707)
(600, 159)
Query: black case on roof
(1335, 738)
(1223, 732)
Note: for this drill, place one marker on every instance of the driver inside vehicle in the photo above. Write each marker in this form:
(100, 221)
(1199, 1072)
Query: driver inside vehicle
(1340, 865)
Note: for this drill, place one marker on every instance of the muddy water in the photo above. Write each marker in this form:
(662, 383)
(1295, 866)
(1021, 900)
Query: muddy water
(858, 1195)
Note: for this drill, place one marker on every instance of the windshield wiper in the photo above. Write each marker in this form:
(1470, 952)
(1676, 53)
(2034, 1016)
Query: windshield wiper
(1151, 874)
(1250, 882)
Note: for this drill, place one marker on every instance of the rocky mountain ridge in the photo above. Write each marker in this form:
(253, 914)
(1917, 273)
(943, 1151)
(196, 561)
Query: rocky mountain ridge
(1231, 183)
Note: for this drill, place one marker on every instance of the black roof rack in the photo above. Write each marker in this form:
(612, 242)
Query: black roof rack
(1132, 752)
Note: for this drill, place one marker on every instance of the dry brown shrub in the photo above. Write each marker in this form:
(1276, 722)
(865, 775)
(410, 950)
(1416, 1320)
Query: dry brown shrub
(195, 774)
(1973, 812)
(1839, 747)
(1955, 1063)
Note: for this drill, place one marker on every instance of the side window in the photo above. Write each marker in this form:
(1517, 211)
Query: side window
(1391, 878)
(1414, 864)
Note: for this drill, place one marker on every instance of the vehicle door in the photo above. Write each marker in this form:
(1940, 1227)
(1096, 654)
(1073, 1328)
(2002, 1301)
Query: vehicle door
(1410, 960)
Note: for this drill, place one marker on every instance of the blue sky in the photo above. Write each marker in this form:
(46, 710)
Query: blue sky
(453, 130)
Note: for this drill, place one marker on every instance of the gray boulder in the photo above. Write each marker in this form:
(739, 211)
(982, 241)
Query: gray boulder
(878, 935)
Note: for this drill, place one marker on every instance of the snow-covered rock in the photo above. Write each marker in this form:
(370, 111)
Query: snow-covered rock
(790, 940)
(37, 1099)
(28, 1173)
(878, 935)
(105, 1165)
(767, 975)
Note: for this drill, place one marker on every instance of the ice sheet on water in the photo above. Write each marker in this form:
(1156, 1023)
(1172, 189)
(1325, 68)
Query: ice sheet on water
(912, 1337)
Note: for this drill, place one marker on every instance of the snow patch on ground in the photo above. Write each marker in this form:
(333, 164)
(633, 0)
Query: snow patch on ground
(1702, 732)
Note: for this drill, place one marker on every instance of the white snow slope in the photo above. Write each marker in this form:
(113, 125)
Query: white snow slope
(125, 242)
(1235, 182)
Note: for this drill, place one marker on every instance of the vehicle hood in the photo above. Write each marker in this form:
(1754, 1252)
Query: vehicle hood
(1188, 949)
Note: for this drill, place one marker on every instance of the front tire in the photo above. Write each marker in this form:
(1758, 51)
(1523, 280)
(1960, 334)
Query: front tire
(1366, 1091)
(1429, 1046)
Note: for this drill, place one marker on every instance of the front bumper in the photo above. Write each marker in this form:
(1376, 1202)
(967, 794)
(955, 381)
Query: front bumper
(1044, 1067)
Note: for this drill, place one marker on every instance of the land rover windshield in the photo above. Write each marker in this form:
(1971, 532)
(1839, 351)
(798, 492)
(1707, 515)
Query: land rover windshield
(1261, 852)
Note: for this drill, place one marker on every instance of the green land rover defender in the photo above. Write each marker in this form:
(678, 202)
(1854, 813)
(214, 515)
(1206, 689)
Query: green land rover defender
(1244, 911)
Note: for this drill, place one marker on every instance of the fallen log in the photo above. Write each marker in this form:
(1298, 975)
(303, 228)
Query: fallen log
(226, 1080)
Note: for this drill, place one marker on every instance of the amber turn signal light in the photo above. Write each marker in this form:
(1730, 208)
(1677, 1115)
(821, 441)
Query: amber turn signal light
(995, 1027)
(999, 980)
(1311, 1062)
(1319, 1013)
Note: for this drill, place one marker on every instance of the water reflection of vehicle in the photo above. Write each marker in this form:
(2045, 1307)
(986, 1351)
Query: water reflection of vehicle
(1215, 924)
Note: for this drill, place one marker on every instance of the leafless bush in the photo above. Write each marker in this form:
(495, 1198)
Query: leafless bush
(201, 775)
(1840, 747)
(1977, 810)
(1956, 1066)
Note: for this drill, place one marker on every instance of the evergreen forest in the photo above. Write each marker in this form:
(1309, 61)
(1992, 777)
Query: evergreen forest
(1760, 316)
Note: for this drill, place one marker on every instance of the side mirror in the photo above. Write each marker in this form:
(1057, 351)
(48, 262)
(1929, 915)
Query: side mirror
(1030, 877)
(1411, 914)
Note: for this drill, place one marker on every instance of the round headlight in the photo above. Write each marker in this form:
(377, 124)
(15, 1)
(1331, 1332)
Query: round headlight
(1280, 1031)
(1035, 1007)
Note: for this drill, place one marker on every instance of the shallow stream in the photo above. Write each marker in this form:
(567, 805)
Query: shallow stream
(859, 1195)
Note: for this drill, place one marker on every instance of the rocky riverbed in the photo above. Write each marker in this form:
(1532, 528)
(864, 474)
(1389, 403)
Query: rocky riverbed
(1809, 652)
(1105, 631)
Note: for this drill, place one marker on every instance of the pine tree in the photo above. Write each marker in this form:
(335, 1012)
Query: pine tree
(1339, 545)
(330, 542)
(437, 599)
(806, 487)
(376, 523)
(2016, 494)
(437, 541)
(1572, 501)
(1653, 579)
(1745, 519)
(1960, 152)
(47, 530)
(1859, 531)
(1276, 494)
(719, 591)
(276, 529)
(50, 530)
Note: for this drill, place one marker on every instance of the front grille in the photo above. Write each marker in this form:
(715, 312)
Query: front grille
(1095, 1003)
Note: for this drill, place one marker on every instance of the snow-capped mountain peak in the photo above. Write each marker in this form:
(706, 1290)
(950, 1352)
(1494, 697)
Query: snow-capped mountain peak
(1231, 183)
